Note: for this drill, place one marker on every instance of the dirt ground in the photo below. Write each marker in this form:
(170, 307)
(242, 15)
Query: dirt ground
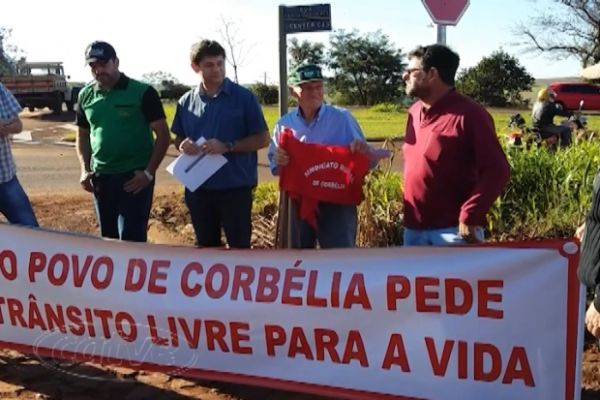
(26, 377)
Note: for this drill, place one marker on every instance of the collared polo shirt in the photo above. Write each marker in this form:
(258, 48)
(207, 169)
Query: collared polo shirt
(119, 122)
(332, 125)
(233, 114)
(454, 166)
(9, 109)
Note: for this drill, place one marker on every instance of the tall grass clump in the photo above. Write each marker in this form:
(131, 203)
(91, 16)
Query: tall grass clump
(548, 194)
(380, 214)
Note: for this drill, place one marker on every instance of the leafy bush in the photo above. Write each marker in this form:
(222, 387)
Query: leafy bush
(266, 94)
(497, 80)
(367, 69)
(265, 195)
(171, 90)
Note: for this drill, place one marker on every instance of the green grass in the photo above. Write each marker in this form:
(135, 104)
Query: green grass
(374, 124)
(170, 107)
(69, 136)
(384, 124)
(392, 124)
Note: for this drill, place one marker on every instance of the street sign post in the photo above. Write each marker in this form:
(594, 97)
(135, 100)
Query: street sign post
(312, 18)
(308, 18)
(445, 12)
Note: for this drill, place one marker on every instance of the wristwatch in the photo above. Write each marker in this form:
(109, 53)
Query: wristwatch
(149, 175)
(229, 146)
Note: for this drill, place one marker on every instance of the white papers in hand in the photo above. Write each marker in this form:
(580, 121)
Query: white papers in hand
(194, 170)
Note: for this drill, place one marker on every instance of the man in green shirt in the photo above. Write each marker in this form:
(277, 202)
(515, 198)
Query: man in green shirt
(116, 116)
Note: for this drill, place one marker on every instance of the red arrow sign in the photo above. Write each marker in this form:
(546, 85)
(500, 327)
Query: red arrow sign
(446, 12)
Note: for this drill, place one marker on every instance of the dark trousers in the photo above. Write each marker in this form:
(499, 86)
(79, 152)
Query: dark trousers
(561, 131)
(230, 209)
(122, 215)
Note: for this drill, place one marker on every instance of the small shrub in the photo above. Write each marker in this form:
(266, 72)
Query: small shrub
(266, 94)
(265, 195)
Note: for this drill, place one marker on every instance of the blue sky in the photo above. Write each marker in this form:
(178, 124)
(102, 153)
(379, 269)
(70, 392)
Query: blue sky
(156, 35)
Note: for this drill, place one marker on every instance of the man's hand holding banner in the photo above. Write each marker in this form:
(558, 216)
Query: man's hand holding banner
(317, 172)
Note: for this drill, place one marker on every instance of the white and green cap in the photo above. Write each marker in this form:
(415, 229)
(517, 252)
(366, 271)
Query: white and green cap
(304, 73)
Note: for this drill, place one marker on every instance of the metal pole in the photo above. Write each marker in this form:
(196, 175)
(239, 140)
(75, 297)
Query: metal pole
(441, 34)
(283, 92)
(283, 236)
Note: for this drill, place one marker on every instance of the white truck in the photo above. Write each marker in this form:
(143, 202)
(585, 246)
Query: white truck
(42, 84)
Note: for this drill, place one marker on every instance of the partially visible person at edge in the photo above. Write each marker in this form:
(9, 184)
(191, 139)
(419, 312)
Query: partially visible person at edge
(14, 203)
(116, 116)
(542, 117)
(589, 259)
(454, 167)
(230, 118)
(314, 121)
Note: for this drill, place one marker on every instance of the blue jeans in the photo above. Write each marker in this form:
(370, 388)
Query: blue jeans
(230, 209)
(121, 215)
(15, 205)
(336, 227)
(436, 237)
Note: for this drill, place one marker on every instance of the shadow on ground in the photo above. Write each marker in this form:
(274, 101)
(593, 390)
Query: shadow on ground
(65, 116)
(25, 377)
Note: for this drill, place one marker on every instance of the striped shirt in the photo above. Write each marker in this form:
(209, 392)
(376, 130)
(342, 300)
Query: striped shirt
(9, 109)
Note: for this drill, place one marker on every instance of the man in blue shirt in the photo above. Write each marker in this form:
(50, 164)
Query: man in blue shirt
(229, 117)
(14, 203)
(316, 122)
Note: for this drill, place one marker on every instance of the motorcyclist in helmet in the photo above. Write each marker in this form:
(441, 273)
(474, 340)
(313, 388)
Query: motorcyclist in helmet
(542, 117)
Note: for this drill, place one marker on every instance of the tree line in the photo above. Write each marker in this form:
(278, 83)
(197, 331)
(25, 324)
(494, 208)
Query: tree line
(366, 69)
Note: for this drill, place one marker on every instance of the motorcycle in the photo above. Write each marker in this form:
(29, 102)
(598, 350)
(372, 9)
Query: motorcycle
(576, 120)
(578, 124)
(524, 135)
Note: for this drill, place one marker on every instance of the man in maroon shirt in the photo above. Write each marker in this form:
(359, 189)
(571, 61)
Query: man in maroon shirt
(454, 167)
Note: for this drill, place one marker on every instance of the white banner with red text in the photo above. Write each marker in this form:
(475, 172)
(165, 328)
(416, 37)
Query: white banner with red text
(491, 322)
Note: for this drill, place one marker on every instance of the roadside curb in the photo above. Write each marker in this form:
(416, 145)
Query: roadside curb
(26, 142)
(64, 143)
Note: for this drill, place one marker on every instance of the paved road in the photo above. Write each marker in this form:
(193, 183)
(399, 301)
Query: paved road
(44, 166)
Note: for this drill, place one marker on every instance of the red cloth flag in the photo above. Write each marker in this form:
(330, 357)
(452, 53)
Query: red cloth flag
(318, 172)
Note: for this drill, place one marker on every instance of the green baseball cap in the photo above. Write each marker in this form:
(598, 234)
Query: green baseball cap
(304, 73)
